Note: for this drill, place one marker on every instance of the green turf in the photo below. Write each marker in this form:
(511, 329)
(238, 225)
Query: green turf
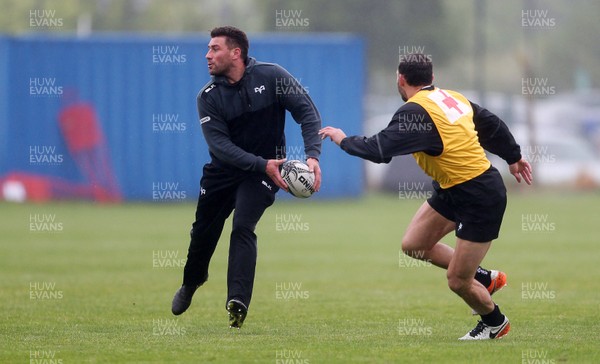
(333, 290)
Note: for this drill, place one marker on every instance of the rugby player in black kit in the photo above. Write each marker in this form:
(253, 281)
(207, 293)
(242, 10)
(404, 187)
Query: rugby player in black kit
(242, 115)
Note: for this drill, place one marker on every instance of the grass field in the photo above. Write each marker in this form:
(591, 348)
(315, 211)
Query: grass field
(93, 284)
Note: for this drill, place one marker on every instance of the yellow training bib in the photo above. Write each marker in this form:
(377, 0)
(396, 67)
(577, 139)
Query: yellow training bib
(462, 157)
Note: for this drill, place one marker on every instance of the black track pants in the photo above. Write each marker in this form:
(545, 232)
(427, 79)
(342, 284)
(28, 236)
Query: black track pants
(221, 192)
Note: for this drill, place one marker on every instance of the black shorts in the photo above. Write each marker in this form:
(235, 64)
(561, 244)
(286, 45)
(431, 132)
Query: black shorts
(477, 206)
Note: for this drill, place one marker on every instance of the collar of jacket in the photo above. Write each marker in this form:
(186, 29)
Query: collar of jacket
(250, 63)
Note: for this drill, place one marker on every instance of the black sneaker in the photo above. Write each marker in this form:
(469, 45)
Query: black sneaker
(237, 313)
(183, 297)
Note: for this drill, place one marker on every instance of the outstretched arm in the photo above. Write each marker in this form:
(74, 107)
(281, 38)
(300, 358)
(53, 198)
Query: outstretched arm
(410, 130)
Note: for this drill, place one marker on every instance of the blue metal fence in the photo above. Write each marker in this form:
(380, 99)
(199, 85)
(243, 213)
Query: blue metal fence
(142, 91)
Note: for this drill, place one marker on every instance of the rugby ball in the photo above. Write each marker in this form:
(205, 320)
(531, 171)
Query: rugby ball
(299, 180)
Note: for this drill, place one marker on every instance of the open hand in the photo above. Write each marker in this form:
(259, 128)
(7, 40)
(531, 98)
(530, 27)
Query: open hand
(521, 170)
(336, 135)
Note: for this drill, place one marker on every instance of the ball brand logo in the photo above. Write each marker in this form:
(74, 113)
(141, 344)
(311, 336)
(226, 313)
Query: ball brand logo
(306, 183)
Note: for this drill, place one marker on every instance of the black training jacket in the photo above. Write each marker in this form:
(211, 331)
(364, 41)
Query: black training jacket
(243, 123)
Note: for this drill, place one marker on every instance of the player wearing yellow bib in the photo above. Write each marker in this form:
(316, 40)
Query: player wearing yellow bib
(447, 135)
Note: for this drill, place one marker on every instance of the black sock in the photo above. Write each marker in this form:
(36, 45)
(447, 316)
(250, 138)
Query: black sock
(483, 276)
(494, 318)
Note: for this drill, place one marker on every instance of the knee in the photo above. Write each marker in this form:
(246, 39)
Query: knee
(408, 247)
(411, 249)
(239, 230)
(457, 284)
(195, 234)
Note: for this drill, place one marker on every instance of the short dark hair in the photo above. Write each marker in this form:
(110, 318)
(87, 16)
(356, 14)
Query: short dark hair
(417, 69)
(234, 38)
